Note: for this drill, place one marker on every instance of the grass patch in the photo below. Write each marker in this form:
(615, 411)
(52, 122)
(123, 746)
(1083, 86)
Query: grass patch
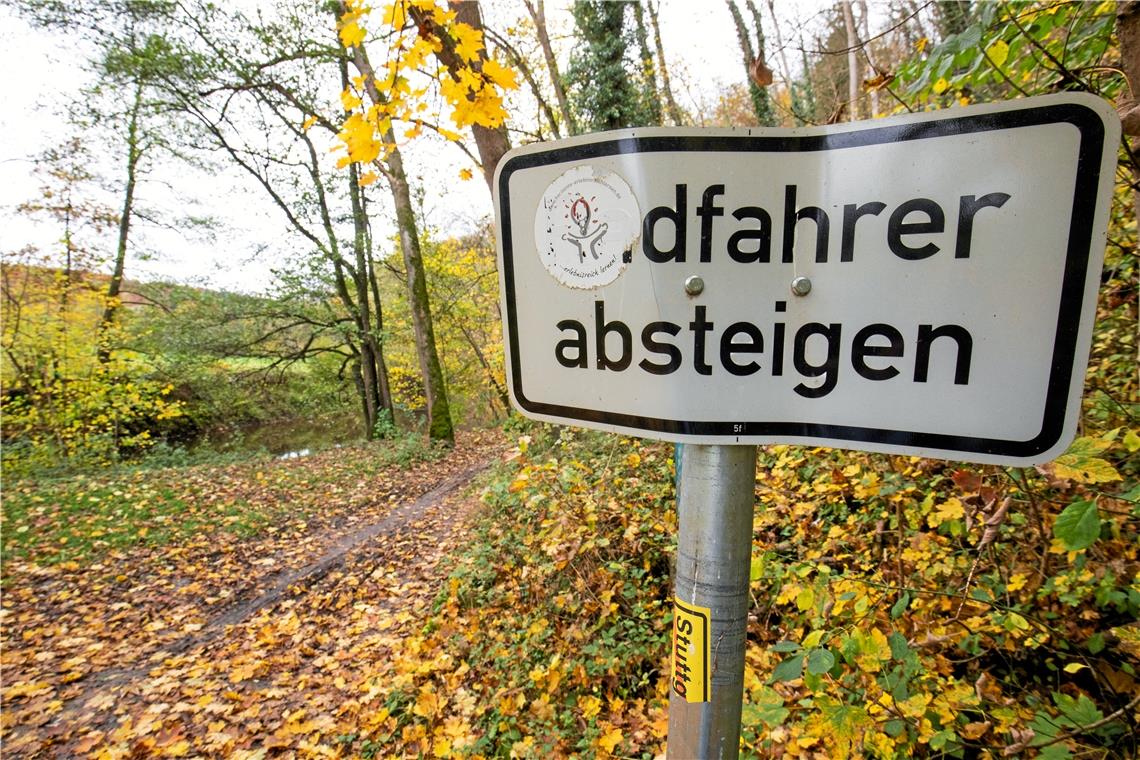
(174, 496)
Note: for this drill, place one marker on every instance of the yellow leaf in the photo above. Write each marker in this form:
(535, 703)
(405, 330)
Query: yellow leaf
(427, 703)
(351, 35)
(368, 179)
(465, 174)
(309, 122)
(396, 15)
(998, 52)
(180, 748)
(1081, 463)
(500, 75)
(951, 509)
(350, 100)
(1132, 441)
(940, 86)
(468, 41)
(610, 740)
(590, 706)
(441, 748)
(1073, 667)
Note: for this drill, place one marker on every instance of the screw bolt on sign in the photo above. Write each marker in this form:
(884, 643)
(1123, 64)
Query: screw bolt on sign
(923, 285)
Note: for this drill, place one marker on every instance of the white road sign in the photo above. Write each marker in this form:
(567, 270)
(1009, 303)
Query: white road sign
(952, 258)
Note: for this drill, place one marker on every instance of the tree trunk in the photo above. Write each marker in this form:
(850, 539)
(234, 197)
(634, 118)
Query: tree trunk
(438, 409)
(647, 69)
(372, 368)
(760, 105)
(538, 14)
(865, 30)
(386, 401)
(852, 62)
(134, 155)
(671, 108)
(1128, 32)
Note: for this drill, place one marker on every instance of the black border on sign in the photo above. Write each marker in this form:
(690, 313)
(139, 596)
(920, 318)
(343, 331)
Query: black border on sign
(1069, 315)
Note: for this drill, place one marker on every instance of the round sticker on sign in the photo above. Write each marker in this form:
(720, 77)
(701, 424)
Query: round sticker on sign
(586, 226)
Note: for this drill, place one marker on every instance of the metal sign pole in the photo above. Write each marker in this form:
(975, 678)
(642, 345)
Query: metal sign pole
(710, 613)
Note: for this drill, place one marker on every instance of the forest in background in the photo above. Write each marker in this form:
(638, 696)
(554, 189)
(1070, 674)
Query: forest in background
(903, 607)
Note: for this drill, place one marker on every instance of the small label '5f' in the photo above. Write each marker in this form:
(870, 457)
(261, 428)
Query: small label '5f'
(691, 649)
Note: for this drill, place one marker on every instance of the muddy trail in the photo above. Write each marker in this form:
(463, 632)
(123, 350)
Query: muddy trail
(230, 646)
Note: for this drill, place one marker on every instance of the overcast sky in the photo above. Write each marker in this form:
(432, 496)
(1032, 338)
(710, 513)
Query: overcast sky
(40, 77)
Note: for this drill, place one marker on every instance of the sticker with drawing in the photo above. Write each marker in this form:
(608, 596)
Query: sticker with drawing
(586, 227)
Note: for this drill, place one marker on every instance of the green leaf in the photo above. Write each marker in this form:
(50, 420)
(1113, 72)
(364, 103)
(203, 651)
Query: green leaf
(788, 670)
(900, 606)
(819, 661)
(756, 569)
(1095, 644)
(785, 646)
(1078, 526)
(942, 738)
(1077, 713)
(899, 648)
(1055, 752)
(765, 705)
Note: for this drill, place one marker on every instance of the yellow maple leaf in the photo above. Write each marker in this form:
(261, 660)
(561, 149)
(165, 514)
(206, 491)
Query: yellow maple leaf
(465, 174)
(427, 703)
(951, 509)
(396, 14)
(368, 179)
(468, 41)
(500, 75)
(308, 123)
(590, 706)
(609, 741)
(350, 100)
(351, 34)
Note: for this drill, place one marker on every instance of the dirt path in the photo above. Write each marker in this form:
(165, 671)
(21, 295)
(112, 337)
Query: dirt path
(299, 637)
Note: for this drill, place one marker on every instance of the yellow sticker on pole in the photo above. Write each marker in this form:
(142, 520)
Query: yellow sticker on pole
(691, 651)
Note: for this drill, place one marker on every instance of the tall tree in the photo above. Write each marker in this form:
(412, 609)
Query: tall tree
(852, 61)
(647, 69)
(131, 55)
(755, 67)
(608, 90)
(673, 110)
(537, 11)
(259, 110)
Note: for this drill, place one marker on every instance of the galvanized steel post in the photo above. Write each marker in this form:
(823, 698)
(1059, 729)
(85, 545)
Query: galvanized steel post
(714, 550)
